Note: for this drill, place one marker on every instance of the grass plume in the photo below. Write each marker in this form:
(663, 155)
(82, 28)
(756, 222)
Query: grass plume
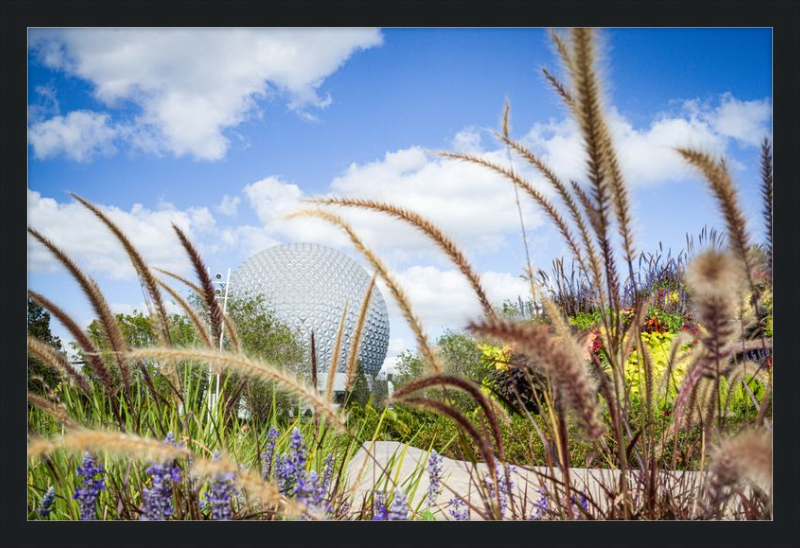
(766, 193)
(571, 378)
(206, 285)
(742, 458)
(108, 322)
(144, 272)
(400, 296)
(719, 180)
(444, 242)
(249, 367)
(52, 358)
(336, 353)
(352, 357)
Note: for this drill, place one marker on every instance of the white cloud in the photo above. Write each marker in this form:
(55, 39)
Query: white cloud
(471, 204)
(80, 135)
(647, 154)
(746, 121)
(468, 141)
(194, 84)
(444, 298)
(229, 205)
(82, 236)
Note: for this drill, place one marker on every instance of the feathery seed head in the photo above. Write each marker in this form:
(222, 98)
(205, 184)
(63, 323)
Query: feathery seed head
(714, 274)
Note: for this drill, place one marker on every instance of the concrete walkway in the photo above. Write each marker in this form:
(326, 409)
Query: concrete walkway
(407, 466)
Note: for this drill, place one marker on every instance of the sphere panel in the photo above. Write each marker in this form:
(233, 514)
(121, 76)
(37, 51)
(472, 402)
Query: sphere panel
(308, 286)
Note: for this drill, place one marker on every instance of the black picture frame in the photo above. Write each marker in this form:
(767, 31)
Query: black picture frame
(783, 16)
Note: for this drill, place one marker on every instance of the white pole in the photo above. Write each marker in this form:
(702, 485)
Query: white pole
(222, 331)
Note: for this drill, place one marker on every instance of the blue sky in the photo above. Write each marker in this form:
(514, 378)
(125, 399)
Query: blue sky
(225, 131)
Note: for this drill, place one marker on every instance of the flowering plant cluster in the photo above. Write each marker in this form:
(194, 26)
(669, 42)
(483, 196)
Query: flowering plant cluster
(219, 495)
(46, 505)
(294, 480)
(157, 499)
(92, 482)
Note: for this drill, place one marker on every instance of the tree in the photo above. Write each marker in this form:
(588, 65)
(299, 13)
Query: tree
(264, 336)
(39, 328)
(140, 330)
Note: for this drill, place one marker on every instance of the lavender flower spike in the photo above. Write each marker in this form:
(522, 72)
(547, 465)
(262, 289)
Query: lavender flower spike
(91, 485)
(399, 509)
(218, 497)
(379, 511)
(46, 505)
(269, 450)
(158, 497)
(458, 509)
(435, 476)
(292, 467)
(327, 473)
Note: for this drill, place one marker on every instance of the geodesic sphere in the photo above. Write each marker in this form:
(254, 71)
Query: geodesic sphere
(308, 286)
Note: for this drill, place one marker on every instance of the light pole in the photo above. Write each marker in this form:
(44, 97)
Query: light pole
(220, 285)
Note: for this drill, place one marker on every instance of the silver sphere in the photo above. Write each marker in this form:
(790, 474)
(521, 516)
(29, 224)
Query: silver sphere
(308, 286)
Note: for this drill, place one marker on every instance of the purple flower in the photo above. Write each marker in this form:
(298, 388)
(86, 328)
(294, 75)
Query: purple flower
(506, 486)
(399, 509)
(458, 509)
(157, 499)
(583, 502)
(46, 505)
(379, 511)
(292, 467)
(542, 506)
(218, 497)
(92, 483)
(309, 490)
(269, 450)
(327, 472)
(435, 476)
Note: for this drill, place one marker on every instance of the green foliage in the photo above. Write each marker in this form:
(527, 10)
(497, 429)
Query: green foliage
(659, 345)
(586, 320)
(264, 336)
(39, 328)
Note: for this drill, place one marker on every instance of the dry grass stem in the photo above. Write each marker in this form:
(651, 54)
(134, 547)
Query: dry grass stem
(571, 378)
(115, 443)
(190, 313)
(56, 411)
(537, 196)
(398, 294)
(766, 193)
(444, 242)
(336, 353)
(466, 386)
(108, 322)
(590, 120)
(206, 285)
(352, 357)
(144, 272)
(57, 361)
(252, 368)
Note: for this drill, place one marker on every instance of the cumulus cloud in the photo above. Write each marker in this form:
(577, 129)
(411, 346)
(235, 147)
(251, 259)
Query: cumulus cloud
(443, 298)
(229, 205)
(80, 136)
(82, 236)
(647, 153)
(194, 84)
(472, 205)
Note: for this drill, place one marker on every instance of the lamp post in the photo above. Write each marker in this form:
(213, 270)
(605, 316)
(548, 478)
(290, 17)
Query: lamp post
(219, 291)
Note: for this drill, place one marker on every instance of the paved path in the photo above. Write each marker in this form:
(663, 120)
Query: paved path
(406, 465)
